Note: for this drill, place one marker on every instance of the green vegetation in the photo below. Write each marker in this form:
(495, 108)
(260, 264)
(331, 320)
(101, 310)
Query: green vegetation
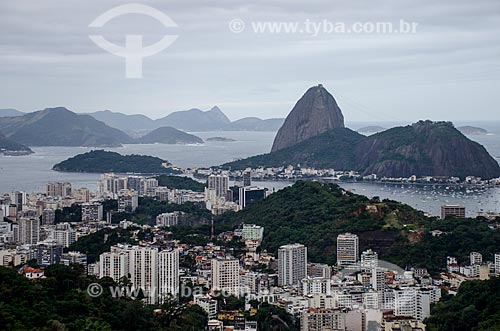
(332, 149)
(475, 308)
(271, 318)
(100, 161)
(149, 208)
(461, 237)
(180, 183)
(314, 214)
(101, 241)
(60, 302)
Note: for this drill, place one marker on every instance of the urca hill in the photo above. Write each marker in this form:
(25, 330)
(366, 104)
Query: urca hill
(314, 135)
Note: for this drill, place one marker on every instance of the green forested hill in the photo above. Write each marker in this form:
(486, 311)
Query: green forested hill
(476, 307)
(60, 302)
(332, 149)
(314, 214)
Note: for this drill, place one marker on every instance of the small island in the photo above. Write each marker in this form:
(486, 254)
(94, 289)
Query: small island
(472, 130)
(11, 148)
(168, 135)
(220, 139)
(100, 161)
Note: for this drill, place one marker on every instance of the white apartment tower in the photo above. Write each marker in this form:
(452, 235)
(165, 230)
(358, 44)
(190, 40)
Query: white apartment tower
(476, 258)
(143, 268)
(369, 260)
(168, 219)
(168, 274)
(220, 184)
(29, 231)
(114, 265)
(226, 276)
(497, 264)
(347, 249)
(412, 302)
(292, 264)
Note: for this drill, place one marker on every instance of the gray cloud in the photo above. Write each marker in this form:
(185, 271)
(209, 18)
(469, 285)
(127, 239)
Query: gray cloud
(449, 67)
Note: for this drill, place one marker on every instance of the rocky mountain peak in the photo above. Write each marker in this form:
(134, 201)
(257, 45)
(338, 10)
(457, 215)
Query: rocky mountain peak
(315, 113)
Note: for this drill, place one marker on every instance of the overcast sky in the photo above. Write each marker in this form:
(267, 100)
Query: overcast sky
(448, 70)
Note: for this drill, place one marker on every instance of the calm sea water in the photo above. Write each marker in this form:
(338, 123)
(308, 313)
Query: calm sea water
(31, 173)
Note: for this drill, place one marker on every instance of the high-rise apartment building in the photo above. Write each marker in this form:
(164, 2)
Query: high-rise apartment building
(49, 252)
(17, 199)
(220, 184)
(128, 201)
(226, 276)
(247, 178)
(369, 260)
(168, 219)
(476, 258)
(92, 212)
(114, 265)
(56, 189)
(143, 269)
(29, 230)
(292, 264)
(168, 274)
(48, 216)
(323, 319)
(250, 194)
(347, 249)
(497, 264)
(252, 232)
(412, 302)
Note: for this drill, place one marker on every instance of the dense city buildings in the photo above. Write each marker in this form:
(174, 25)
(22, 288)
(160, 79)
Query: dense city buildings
(359, 292)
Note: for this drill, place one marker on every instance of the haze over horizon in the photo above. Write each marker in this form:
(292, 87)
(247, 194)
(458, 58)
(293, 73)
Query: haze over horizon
(447, 70)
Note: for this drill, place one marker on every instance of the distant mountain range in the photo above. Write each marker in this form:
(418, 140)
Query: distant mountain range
(62, 127)
(10, 112)
(313, 135)
(192, 120)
